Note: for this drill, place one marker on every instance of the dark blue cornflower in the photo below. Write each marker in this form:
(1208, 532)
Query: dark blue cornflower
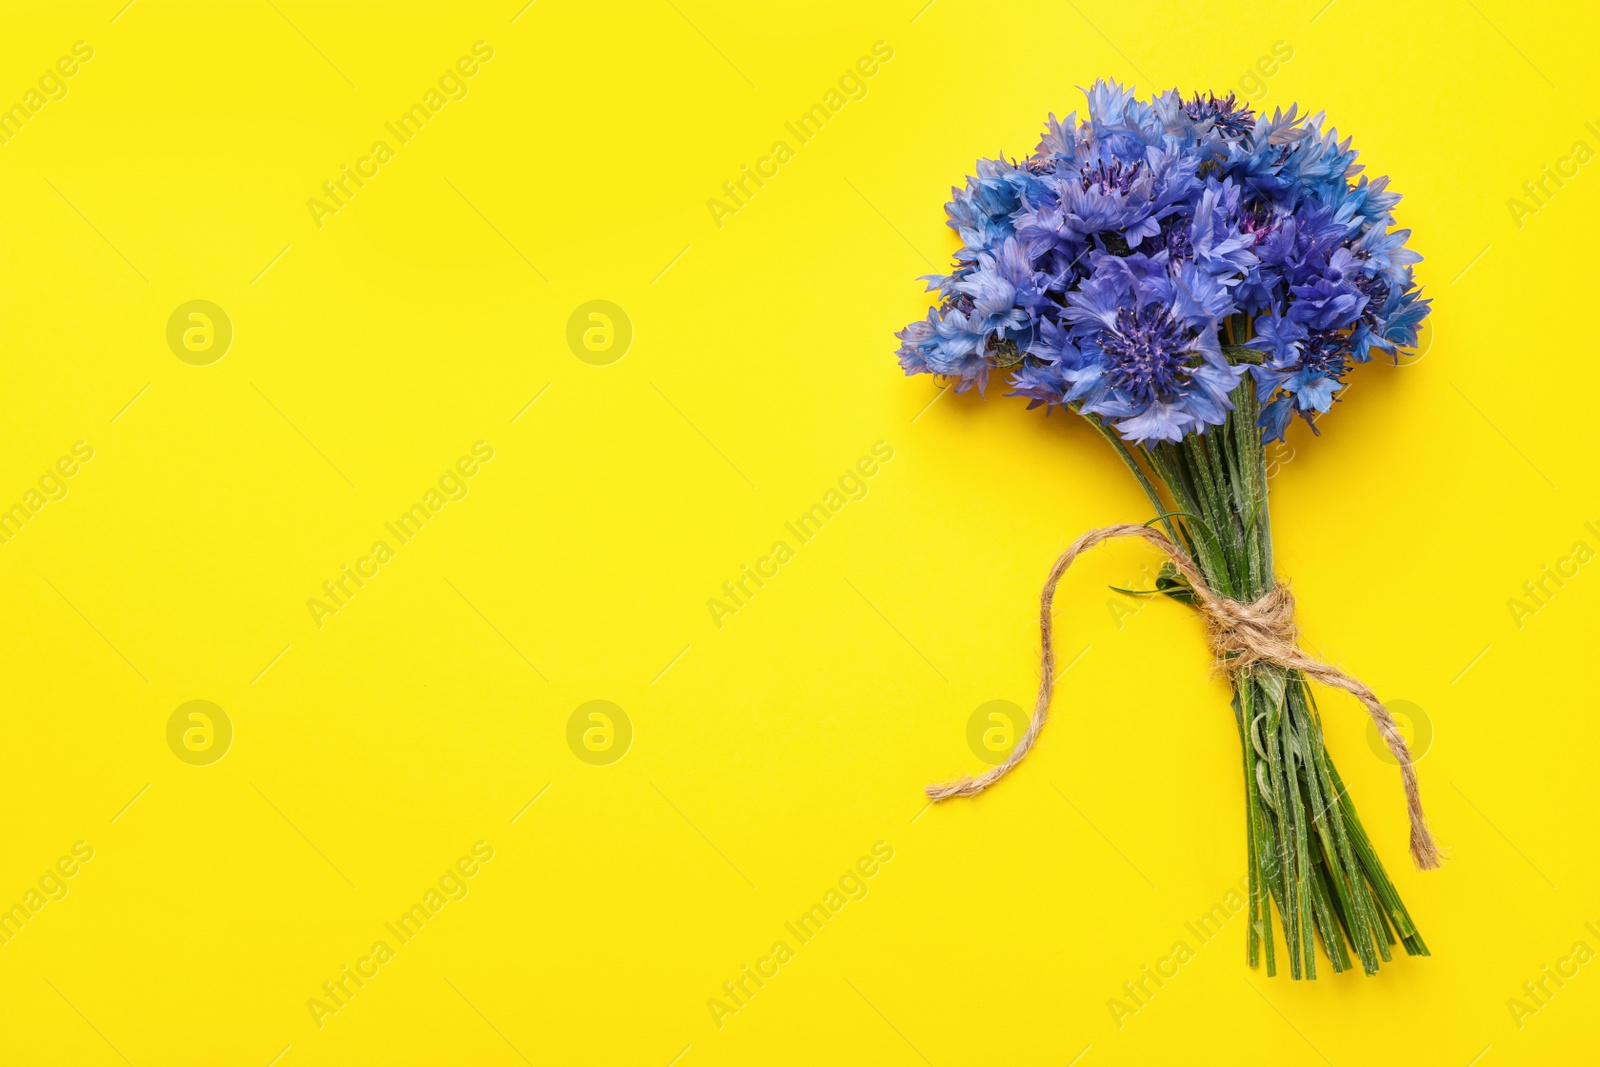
(1147, 336)
(1232, 118)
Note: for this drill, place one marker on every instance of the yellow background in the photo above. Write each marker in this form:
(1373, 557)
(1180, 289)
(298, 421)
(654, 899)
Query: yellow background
(771, 753)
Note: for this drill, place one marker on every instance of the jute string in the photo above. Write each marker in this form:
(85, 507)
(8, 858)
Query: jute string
(1241, 636)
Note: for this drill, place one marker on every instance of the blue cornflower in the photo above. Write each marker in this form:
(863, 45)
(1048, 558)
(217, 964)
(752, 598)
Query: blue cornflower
(1103, 271)
(1228, 116)
(1148, 341)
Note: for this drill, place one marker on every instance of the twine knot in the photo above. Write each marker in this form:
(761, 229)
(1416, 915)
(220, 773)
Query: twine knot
(1241, 636)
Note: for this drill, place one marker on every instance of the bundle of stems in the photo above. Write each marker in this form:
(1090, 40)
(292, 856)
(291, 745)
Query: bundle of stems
(1307, 850)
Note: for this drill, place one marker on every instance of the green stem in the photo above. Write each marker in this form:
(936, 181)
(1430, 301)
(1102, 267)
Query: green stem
(1305, 848)
(1138, 472)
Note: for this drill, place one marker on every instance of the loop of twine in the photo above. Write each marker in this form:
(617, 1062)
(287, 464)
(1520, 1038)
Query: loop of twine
(1240, 636)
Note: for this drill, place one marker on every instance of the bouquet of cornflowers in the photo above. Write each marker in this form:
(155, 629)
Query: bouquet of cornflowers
(1188, 276)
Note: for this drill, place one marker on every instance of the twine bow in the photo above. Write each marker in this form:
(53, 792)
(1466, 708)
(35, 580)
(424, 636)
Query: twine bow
(1240, 636)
